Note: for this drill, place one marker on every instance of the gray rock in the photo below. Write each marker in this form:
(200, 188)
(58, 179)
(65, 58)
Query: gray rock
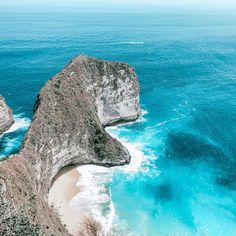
(70, 114)
(6, 119)
(113, 87)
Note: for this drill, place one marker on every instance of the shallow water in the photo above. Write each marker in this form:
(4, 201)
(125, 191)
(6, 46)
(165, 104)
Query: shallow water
(182, 180)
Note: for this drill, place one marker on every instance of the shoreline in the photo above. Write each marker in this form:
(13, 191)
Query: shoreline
(86, 95)
(62, 191)
(75, 188)
(77, 192)
(77, 197)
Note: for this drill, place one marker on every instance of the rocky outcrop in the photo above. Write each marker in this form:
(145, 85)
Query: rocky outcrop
(70, 114)
(6, 119)
(113, 87)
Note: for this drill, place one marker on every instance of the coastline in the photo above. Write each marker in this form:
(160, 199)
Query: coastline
(78, 195)
(62, 191)
(73, 134)
(77, 192)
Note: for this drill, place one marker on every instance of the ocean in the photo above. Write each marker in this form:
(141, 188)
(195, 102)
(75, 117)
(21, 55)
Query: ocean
(182, 178)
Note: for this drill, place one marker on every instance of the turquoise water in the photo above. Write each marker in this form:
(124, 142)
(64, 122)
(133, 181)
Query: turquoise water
(186, 63)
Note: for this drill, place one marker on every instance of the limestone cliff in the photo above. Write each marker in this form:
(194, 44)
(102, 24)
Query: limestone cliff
(6, 119)
(70, 114)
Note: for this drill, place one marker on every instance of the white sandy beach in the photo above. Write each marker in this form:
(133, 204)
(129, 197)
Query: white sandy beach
(61, 193)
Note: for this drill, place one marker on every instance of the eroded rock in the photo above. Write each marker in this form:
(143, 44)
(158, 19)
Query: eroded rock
(6, 118)
(70, 114)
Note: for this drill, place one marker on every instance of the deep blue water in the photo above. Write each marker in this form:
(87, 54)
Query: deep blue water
(186, 63)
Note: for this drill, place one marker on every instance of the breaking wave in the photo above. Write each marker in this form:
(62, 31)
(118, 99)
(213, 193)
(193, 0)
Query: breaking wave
(10, 141)
(130, 43)
(95, 197)
(21, 123)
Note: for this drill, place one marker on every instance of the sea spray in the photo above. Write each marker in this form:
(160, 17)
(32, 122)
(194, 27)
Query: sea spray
(21, 123)
(95, 198)
(10, 141)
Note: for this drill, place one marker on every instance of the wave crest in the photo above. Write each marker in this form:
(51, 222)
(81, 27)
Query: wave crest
(129, 43)
(10, 141)
(21, 123)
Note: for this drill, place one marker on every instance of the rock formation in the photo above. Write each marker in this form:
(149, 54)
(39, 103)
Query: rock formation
(6, 119)
(70, 114)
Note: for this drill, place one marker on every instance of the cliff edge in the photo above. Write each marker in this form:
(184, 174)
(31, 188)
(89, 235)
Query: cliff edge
(70, 114)
(6, 119)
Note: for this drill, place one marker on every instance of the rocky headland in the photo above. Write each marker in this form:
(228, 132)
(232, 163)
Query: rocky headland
(68, 128)
(6, 118)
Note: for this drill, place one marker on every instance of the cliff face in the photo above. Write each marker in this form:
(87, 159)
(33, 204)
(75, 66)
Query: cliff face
(6, 119)
(113, 87)
(70, 114)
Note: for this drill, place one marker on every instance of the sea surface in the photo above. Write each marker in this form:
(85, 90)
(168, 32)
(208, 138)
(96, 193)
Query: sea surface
(182, 178)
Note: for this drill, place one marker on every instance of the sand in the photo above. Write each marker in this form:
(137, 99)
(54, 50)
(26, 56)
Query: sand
(61, 193)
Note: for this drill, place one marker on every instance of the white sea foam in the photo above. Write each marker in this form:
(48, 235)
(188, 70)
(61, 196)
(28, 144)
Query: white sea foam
(11, 144)
(142, 117)
(166, 122)
(130, 42)
(20, 123)
(95, 196)
(139, 120)
(138, 157)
